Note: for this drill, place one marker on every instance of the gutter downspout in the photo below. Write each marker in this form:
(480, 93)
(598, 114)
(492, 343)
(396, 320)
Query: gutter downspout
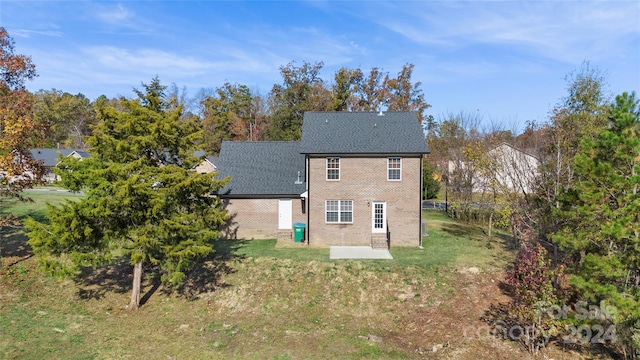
(308, 202)
(420, 207)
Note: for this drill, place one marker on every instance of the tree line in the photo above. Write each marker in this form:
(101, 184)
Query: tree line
(233, 111)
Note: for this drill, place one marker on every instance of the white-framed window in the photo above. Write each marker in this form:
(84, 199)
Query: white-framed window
(333, 168)
(394, 169)
(339, 211)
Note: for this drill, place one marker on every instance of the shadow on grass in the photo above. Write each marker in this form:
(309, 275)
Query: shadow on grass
(506, 325)
(24, 208)
(13, 240)
(206, 276)
(499, 240)
(38, 215)
(459, 230)
(14, 243)
(227, 249)
(510, 244)
(473, 231)
(113, 278)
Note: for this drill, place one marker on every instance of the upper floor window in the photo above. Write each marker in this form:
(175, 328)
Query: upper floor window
(333, 168)
(394, 168)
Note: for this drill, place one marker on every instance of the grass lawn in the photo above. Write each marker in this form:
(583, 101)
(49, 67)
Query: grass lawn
(37, 206)
(254, 300)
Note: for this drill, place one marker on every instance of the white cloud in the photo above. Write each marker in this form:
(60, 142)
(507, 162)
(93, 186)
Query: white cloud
(111, 57)
(564, 31)
(112, 18)
(114, 15)
(26, 33)
(314, 44)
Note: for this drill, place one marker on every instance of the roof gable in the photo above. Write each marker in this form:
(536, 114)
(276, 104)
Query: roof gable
(362, 133)
(213, 160)
(262, 168)
(506, 147)
(79, 154)
(49, 156)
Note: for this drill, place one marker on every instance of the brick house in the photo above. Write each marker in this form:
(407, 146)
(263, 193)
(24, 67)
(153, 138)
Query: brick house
(355, 178)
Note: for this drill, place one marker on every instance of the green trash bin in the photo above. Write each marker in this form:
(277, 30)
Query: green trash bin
(298, 231)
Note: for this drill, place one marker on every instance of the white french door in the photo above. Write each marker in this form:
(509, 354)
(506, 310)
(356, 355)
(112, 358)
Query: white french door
(379, 217)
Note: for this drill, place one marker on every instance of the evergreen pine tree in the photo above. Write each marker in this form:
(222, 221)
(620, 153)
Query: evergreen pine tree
(143, 198)
(600, 214)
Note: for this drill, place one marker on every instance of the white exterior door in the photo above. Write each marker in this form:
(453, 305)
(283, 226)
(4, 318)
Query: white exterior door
(379, 217)
(285, 214)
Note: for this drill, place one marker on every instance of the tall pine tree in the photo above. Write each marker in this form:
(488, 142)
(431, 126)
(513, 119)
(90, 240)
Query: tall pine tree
(143, 198)
(600, 216)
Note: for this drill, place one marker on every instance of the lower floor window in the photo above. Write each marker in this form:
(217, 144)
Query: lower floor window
(339, 211)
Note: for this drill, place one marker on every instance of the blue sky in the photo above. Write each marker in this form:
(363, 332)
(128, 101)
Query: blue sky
(504, 60)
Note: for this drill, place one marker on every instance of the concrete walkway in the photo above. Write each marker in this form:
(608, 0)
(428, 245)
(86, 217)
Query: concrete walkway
(358, 252)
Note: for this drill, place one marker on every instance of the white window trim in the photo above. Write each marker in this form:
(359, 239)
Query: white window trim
(327, 168)
(340, 212)
(389, 168)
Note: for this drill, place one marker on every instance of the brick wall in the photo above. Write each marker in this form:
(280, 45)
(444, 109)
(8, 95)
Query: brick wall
(258, 218)
(364, 180)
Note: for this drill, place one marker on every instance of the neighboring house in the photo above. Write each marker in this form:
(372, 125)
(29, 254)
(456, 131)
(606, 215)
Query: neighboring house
(48, 158)
(208, 165)
(355, 178)
(515, 170)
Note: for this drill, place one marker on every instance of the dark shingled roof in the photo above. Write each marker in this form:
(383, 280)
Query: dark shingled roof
(261, 168)
(362, 133)
(49, 156)
(212, 159)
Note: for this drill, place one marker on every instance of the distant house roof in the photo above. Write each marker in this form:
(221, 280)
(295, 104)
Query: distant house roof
(80, 154)
(362, 133)
(49, 156)
(262, 168)
(212, 159)
(505, 145)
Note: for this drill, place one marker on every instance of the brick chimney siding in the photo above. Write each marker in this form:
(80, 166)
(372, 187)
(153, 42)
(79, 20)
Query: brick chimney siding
(364, 180)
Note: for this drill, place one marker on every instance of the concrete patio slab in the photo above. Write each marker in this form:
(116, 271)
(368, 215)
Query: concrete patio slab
(358, 252)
